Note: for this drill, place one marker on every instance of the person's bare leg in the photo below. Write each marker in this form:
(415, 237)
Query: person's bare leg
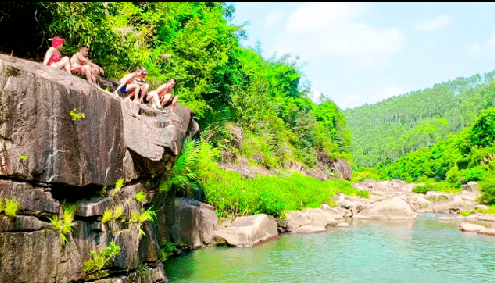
(144, 91)
(87, 71)
(166, 99)
(174, 103)
(131, 90)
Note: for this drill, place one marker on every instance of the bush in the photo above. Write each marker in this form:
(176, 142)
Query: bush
(140, 197)
(11, 208)
(465, 213)
(94, 267)
(107, 216)
(488, 190)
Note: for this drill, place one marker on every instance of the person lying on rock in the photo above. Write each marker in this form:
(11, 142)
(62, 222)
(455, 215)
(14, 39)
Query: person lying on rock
(162, 96)
(128, 85)
(139, 80)
(82, 65)
(52, 56)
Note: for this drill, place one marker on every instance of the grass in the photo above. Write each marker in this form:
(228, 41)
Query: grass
(465, 213)
(144, 215)
(118, 185)
(140, 197)
(444, 187)
(107, 216)
(94, 268)
(230, 193)
(65, 222)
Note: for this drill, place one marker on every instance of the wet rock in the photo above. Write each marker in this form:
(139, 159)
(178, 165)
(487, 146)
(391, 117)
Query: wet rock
(246, 231)
(21, 223)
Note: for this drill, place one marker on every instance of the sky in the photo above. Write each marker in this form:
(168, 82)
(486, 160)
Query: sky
(358, 53)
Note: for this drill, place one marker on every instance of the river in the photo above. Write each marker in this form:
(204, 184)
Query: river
(424, 250)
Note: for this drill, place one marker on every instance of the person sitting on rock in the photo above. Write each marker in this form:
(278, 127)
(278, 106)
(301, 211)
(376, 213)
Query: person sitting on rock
(128, 85)
(52, 56)
(162, 96)
(82, 65)
(139, 80)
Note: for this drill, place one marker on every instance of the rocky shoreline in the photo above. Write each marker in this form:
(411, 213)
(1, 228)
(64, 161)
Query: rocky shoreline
(389, 201)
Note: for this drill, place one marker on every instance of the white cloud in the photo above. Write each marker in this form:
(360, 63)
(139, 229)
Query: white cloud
(316, 29)
(483, 47)
(273, 18)
(435, 23)
(475, 47)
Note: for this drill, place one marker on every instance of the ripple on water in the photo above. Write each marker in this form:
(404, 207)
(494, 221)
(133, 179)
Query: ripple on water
(423, 251)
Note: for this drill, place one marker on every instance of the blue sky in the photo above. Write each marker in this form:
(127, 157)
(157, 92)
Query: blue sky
(357, 53)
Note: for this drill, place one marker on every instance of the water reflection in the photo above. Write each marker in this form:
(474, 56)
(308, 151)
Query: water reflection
(421, 251)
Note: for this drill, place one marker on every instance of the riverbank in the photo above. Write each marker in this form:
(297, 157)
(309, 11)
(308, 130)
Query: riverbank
(388, 201)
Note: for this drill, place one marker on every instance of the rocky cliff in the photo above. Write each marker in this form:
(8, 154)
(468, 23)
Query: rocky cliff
(81, 183)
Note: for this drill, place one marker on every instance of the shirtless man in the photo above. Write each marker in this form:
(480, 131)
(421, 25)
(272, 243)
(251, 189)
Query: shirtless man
(128, 85)
(52, 56)
(162, 96)
(139, 80)
(81, 64)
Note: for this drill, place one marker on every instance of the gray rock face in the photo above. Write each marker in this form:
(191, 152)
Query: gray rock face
(35, 118)
(48, 159)
(153, 139)
(246, 231)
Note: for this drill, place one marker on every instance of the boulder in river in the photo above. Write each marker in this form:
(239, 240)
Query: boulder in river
(246, 231)
(470, 227)
(394, 208)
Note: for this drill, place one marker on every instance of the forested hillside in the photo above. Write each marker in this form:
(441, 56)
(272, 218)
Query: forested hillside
(389, 129)
(222, 82)
(467, 156)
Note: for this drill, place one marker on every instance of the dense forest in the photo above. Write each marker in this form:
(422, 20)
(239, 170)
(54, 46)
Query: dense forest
(389, 129)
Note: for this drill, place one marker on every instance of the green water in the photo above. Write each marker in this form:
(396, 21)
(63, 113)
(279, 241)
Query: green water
(421, 251)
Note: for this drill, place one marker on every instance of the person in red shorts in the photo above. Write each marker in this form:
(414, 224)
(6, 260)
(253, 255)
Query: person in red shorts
(80, 64)
(53, 57)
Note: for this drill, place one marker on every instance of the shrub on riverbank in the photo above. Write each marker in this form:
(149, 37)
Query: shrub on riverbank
(232, 194)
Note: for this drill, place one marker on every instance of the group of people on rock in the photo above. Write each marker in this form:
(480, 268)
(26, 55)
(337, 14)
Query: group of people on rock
(132, 84)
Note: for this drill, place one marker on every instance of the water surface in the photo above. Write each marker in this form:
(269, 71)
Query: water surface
(421, 251)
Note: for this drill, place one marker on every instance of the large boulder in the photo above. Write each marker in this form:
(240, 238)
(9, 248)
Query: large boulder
(394, 208)
(185, 221)
(470, 227)
(313, 217)
(246, 231)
